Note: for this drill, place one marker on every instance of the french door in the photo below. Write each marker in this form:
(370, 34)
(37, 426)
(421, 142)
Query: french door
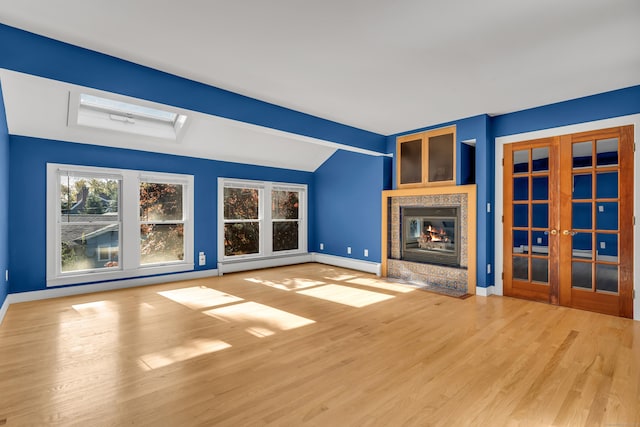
(568, 223)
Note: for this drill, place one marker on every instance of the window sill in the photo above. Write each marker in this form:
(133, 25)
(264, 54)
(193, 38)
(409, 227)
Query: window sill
(100, 276)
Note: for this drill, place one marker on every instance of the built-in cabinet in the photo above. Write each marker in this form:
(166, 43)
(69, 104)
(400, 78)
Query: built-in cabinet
(427, 158)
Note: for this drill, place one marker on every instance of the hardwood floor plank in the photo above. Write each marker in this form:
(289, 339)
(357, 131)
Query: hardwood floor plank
(249, 349)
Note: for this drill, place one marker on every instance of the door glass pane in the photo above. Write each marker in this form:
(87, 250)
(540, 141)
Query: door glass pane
(607, 278)
(607, 216)
(441, 158)
(521, 188)
(540, 241)
(607, 185)
(541, 215)
(411, 162)
(581, 246)
(607, 247)
(521, 268)
(541, 188)
(520, 215)
(520, 242)
(607, 151)
(521, 161)
(582, 188)
(540, 270)
(582, 154)
(581, 216)
(540, 159)
(581, 275)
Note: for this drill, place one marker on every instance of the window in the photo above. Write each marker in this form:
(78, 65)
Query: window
(285, 219)
(261, 219)
(93, 215)
(137, 117)
(161, 222)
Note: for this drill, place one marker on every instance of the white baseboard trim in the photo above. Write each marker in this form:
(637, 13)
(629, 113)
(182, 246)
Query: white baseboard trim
(4, 308)
(235, 266)
(354, 264)
(485, 292)
(107, 286)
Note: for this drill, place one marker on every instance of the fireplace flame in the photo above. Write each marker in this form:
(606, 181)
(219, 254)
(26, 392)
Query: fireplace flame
(433, 234)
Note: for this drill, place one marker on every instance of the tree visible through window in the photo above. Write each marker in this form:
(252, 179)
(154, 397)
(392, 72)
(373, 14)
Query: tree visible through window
(241, 217)
(285, 219)
(161, 222)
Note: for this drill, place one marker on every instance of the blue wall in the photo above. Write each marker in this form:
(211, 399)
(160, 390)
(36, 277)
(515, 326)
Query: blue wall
(32, 54)
(590, 108)
(29, 157)
(348, 204)
(4, 200)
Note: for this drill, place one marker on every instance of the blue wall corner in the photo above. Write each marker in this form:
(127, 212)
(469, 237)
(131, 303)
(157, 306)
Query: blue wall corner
(348, 205)
(41, 56)
(29, 157)
(4, 200)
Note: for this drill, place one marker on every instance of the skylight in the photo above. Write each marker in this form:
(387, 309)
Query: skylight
(118, 115)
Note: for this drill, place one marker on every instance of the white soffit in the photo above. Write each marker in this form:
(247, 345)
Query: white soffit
(37, 107)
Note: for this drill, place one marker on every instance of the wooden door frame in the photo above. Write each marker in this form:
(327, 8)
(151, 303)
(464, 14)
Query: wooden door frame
(633, 119)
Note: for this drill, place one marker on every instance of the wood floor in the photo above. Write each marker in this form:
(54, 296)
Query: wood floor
(313, 345)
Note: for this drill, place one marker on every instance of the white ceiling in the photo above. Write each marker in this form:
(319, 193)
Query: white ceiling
(37, 107)
(384, 66)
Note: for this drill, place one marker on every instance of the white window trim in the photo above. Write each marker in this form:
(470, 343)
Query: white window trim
(129, 252)
(264, 218)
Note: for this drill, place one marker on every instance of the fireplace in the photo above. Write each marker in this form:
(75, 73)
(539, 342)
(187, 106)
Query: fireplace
(430, 235)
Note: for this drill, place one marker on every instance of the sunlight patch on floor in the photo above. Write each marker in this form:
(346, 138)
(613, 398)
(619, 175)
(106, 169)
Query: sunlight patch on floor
(340, 277)
(381, 284)
(346, 295)
(167, 357)
(199, 297)
(287, 284)
(260, 320)
(94, 308)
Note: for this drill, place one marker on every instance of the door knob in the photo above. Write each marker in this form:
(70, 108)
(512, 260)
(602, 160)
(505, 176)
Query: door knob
(553, 232)
(568, 232)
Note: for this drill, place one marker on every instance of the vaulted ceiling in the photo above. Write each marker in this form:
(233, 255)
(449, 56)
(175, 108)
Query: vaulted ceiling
(383, 66)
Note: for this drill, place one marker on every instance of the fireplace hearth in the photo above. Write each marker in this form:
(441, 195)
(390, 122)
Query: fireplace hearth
(430, 235)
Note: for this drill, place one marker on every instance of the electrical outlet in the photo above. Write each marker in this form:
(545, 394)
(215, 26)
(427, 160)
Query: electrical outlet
(321, 246)
(366, 252)
(349, 250)
(6, 275)
(539, 240)
(600, 208)
(603, 245)
(488, 268)
(202, 258)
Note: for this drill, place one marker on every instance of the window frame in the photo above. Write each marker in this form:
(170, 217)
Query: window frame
(265, 221)
(129, 265)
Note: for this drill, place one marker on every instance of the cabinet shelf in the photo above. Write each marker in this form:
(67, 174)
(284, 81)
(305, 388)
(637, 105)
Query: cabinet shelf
(427, 158)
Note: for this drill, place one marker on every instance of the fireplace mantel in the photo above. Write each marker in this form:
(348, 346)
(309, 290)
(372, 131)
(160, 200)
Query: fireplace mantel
(439, 196)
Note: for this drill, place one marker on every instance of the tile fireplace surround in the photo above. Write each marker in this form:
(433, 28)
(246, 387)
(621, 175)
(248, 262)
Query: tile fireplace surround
(461, 279)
